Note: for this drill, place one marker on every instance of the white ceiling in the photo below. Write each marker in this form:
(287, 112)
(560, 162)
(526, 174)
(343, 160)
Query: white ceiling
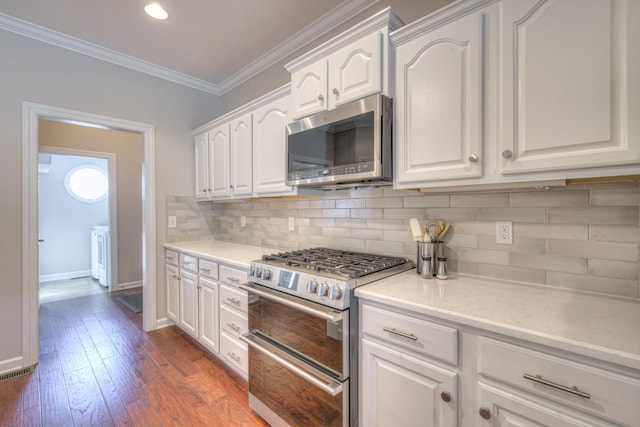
(210, 45)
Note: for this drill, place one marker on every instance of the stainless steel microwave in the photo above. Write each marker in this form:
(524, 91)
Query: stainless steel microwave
(348, 146)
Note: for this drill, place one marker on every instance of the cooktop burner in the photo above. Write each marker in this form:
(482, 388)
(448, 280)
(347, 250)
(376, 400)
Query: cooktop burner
(332, 261)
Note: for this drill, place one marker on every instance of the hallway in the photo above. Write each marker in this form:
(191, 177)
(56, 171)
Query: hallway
(97, 367)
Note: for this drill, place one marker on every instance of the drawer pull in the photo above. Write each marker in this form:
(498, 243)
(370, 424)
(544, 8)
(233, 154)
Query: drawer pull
(206, 270)
(234, 301)
(402, 334)
(445, 396)
(234, 356)
(573, 390)
(485, 413)
(233, 326)
(233, 279)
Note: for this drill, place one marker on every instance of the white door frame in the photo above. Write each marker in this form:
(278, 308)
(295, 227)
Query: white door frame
(31, 114)
(112, 201)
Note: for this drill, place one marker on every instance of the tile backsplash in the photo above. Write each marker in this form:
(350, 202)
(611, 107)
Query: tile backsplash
(582, 236)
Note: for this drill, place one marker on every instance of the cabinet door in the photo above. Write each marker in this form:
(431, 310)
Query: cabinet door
(209, 314)
(567, 81)
(219, 161)
(309, 90)
(400, 390)
(201, 144)
(438, 105)
(355, 71)
(241, 158)
(269, 147)
(173, 293)
(499, 408)
(188, 312)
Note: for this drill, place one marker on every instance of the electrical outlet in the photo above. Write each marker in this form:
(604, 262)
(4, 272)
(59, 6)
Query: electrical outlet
(243, 221)
(172, 221)
(504, 232)
(292, 223)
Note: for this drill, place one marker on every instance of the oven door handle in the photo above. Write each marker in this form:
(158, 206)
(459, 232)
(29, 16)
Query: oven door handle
(279, 297)
(334, 388)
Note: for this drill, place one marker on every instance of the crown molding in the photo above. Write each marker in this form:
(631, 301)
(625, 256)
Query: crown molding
(345, 11)
(37, 32)
(327, 22)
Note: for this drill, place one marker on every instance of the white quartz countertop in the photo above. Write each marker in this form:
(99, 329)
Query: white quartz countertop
(237, 254)
(605, 328)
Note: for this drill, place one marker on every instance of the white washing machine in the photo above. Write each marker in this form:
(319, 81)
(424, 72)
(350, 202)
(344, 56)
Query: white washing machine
(100, 250)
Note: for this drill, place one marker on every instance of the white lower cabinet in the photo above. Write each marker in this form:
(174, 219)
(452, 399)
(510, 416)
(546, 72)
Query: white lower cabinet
(172, 274)
(188, 311)
(401, 390)
(233, 319)
(209, 332)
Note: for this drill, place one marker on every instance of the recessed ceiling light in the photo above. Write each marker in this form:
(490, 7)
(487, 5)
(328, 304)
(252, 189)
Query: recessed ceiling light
(156, 11)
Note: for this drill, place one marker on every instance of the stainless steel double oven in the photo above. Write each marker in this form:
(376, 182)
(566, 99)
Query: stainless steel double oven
(303, 334)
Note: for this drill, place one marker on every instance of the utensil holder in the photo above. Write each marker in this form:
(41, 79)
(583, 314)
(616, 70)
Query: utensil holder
(432, 249)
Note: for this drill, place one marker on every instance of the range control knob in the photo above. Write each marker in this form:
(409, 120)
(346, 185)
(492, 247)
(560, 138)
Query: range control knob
(266, 274)
(258, 273)
(312, 286)
(335, 292)
(250, 270)
(323, 289)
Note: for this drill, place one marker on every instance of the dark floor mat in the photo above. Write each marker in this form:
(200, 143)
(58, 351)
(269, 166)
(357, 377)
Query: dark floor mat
(133, 302)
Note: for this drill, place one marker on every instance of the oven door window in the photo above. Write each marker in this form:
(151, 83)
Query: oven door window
(320, 343)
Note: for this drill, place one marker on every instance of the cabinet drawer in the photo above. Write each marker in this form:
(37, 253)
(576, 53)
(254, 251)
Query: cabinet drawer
(233, 297)
(431, 339)
(610, 395)
(233, 321)
(208, 269)
(234, 351)
(232, 276)
(188, 262)
(171, 257)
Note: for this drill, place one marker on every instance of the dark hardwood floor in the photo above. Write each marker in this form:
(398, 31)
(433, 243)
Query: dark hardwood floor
(98, 368)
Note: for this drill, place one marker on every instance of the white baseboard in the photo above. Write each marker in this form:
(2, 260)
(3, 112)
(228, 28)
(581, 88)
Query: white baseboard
(163, 323)
(64, 276)
(128, 285)
(9, 365)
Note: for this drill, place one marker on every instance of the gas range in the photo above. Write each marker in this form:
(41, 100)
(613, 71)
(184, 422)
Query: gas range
(325, 276)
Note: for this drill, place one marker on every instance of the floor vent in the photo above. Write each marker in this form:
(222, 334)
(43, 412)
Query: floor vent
(14, 374)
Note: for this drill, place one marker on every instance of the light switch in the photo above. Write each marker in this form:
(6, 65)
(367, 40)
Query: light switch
(171, 221)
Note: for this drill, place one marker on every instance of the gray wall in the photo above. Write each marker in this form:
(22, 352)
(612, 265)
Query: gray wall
(65, 222)
(37, 72)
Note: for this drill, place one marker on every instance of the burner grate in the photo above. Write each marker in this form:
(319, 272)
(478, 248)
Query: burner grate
(333, 261)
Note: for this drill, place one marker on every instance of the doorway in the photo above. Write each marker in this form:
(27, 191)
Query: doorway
(76, 201)
(32, 113)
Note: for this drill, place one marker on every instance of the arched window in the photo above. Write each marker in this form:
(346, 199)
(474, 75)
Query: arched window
(87, 183)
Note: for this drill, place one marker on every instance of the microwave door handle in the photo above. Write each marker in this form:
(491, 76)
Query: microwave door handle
(330, 315)
(333, 389)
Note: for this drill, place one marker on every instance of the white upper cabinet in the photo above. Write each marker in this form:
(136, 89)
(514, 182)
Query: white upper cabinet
(241, 156)
(269, 148)
(568, 72)
(350, 66)
(203, 185)
(219, 161)
(438, 104)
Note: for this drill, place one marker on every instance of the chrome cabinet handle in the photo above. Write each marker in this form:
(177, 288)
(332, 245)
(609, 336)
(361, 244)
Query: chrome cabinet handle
(402, 334)
(320, 97)
(473, 158)
(206, 270)
(507, 154)
(334, 388)
(485, 413)
(336, 91)
(233, 279)
(233, 326)
(572, 390)
(233, 301)
(298, 304)
(445, 396)
(234, 356)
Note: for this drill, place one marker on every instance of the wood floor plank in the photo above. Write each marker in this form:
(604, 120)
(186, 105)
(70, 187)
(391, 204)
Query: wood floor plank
(98, 367)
